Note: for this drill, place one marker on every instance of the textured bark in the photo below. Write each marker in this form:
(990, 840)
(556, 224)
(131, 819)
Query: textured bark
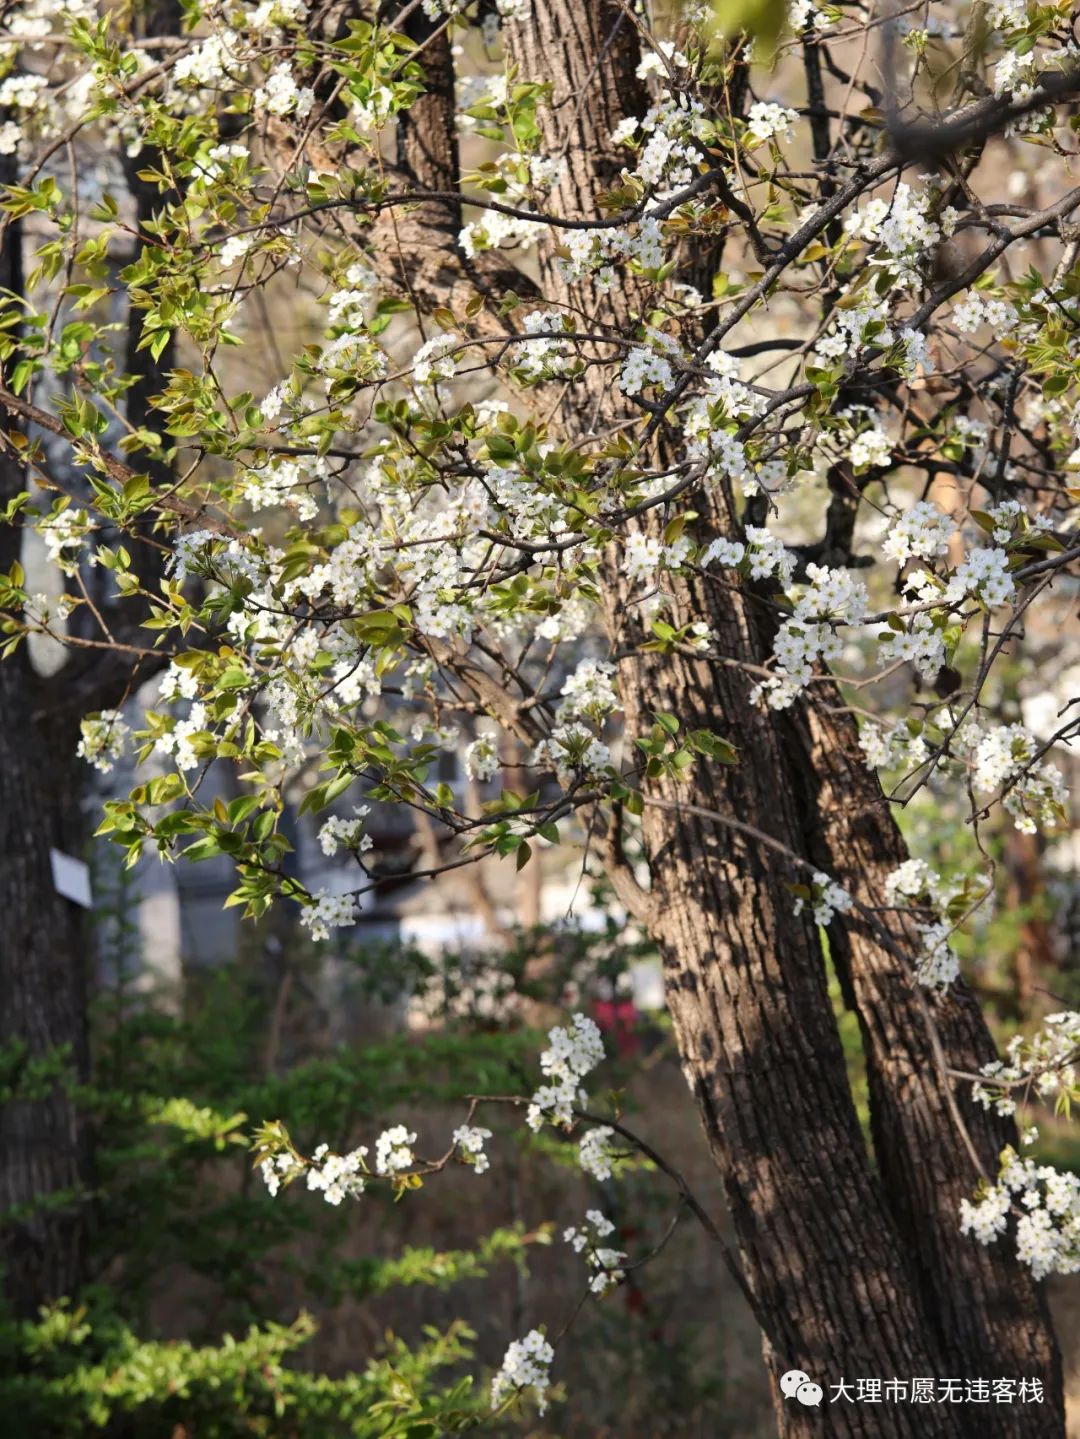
(415, 248)
(46, 1159)
(44, 1148)
(759, 1044)
(990, 1317)
(44, 1153)
(744, 977)
(849, 1277)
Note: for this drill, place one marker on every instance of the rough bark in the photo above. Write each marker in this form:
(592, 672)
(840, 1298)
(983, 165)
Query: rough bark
(46, 1159)
(989, 1316)
(744, 976)
(847, 1280)
(44, 1147)
(44, 1150)
(759, 1044)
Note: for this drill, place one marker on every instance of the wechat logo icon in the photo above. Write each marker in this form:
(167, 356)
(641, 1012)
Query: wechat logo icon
(797, 1385)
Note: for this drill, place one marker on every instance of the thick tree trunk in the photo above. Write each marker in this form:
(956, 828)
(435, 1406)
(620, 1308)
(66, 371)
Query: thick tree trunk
(989, 1316)
(759, 1044)
(44, 1145)
(46, 1159)
(850, 1277)
(44, 1150)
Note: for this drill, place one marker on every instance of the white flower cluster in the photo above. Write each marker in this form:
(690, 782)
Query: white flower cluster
(597, 1152)
(871, 449)
(334, 1176)
(972, 433)
(102, 741)
(1048, 1229)
(937, 966)
(526, 1365)
(922, 532)
(1045, 1064)
(645, 368)
(64, 533)
(1010, 516)
(826, 899)
(436, 9)
(218, 159)
(178, 683)
(975, 310)
(434, 360)
(496, 229)
(804, 12)
(572, 750)
(722, 399)
(902, 229)
(644, 555)
(985, 575)
(281, 95)
(915, 884)
(912, 880)
(341, 833)
(546, 357)
(605, 1261)
(832, 597)
(393, 1150)
(661, 61)
(179, 740)
(922, 642)
(1007, 14)
(729, 553)
(915, 355)
(573, 1052)
(589, 691)
(191, 554)
(482, 757)
(595, 252)
(344, 1176)
(845, 334)
(895, 746)
(1006, 755)
(234, 249)
(279, 1169)
(470, 1142)
(327, 912)
(668, 153)
(766, 121)
(291, 482)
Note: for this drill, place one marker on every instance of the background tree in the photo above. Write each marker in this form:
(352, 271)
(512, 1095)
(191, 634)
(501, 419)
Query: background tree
(46, 1157)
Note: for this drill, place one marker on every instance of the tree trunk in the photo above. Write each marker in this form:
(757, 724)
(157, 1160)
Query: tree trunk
(44, 1149)
(44, 1145)
(850, 1277)
(988, 1313)
(46, 1159)
(760, 1048)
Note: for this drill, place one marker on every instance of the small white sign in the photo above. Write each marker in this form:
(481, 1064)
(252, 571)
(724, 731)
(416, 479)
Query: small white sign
(71, 878)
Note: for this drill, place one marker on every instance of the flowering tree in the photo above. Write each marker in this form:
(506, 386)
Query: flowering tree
(684, 430)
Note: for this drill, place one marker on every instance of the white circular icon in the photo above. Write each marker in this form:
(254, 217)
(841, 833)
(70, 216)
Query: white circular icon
(809, 1393)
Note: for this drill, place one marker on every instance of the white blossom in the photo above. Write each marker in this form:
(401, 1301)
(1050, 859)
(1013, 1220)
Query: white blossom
(393, 1150)
(526, 1365)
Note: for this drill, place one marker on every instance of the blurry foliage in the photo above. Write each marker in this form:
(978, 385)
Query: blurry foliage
(176, 1089)
(79, 1369)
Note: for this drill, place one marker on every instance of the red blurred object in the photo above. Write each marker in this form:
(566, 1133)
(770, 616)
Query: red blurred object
(619, 1019)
